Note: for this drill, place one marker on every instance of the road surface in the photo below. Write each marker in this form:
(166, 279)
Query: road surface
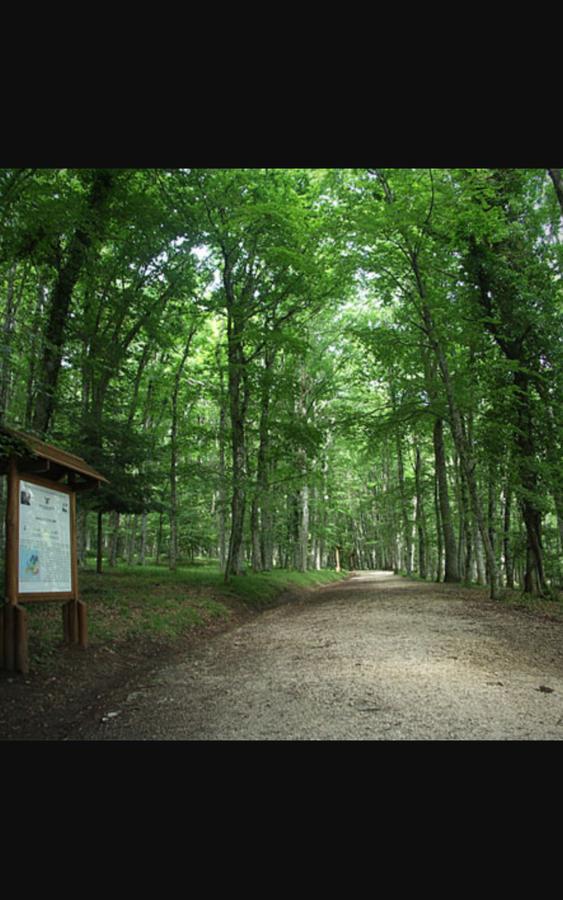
(375, 657)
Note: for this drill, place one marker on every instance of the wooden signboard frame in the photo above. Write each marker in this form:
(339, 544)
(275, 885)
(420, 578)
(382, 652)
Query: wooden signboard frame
(14, 653)
(28, 596)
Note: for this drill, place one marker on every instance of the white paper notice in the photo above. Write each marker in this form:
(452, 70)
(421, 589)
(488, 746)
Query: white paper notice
(44, 534)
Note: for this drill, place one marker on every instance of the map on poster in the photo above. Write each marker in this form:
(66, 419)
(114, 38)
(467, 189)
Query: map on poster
(44, 540)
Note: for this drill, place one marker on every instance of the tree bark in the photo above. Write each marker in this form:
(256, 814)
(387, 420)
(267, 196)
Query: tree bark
(173, 513)
(462, 445)
(260, 499)
(439, 542)
(34, 352)
(420, 518)
(451, 559)
(238, 398)
(267, 525)
(407, 525)
(492, 510)
(555, 175)
(142, 555)
(82, 535)
(507, 547)
(468, 464)
(303, 528)
(222, 490)
(534, 578)
(7, 331)
(112, 558)
(303, 493)
(513, 344)
(337, 566)
(100, 547)
(132, 539)
(158, 549)
(68, 274)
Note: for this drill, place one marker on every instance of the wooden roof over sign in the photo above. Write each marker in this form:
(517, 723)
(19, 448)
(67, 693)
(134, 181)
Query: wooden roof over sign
(56, 462)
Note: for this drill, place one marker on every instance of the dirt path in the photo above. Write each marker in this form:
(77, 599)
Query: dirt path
(375, 657)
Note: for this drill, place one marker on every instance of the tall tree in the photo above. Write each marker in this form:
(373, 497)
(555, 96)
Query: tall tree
(69, 263)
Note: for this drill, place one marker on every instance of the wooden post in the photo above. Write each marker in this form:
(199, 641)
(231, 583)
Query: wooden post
(99, 553)
(82, 623)
(12, 509)
(20, 634)
(80, 610)
(73, 541)
(75, 623)
(72, 622)
(2, 636)
(66, 624)
(11, 567)
(9, 641)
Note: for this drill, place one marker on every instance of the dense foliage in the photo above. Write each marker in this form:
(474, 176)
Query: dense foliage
(297, 368)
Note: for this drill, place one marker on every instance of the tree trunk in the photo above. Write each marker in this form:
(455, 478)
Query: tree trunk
(439, 547)
(337, 559)
(462, 445)
(173, 513)
(59, 304)
(100, 547)
(238, 397)
(34, 353)
(513, 346)
(132, 539)
(555, 175)
(267, 528)
(407, 525)
(222, 504)
(238, 501)
(507, 547)
(256, 553)
(303, 529)
(534, 578)
(466, 543)
(480, 570)
(303, 493)
(114, 519)
(142, 556)
(559, 508)
(468, 464)
(7, 351)
(260, 497)
(451, 559)
(82, 528)
(492, 511)
(158, 548)
(420, 518)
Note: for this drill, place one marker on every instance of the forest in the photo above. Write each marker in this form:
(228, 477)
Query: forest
(296, 368)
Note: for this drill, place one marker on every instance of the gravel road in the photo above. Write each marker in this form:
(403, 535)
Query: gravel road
(373, 658)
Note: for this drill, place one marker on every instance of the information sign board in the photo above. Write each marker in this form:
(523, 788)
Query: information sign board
(45, 549)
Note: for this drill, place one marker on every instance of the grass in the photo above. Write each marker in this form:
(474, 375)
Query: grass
(261, 589)
(133, 602)
(548, 608)
(545, 608)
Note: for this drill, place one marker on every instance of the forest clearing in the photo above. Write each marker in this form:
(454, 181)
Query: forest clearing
(279, 374)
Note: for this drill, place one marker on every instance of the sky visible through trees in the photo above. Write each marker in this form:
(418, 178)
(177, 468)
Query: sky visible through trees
(297, 368)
